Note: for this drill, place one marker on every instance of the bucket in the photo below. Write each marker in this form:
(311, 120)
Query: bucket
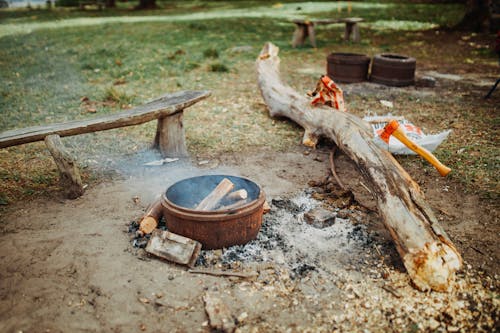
(347, 67)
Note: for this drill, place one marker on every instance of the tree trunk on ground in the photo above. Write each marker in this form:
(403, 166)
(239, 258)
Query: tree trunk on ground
(476, 17)
(427, 253)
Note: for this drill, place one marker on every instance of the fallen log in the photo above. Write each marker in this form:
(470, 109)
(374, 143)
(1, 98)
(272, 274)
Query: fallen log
(429, 256)
(218, 193)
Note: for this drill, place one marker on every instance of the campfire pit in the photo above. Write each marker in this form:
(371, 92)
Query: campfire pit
(218, 228)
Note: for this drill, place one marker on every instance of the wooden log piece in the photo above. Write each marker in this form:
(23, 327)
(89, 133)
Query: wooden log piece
(173, 247)
(428, 254)
(70, 179)
(234, 205)
(170, 136)
(213, 198)
(237, 195)
(152, 217)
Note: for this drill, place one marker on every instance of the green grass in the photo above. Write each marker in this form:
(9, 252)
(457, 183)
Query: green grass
(65, 69)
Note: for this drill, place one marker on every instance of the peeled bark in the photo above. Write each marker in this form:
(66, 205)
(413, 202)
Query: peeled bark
(429, 256)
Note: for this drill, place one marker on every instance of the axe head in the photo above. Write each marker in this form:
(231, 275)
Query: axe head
(388, 130)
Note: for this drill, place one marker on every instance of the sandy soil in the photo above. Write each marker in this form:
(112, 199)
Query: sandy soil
(69, 266)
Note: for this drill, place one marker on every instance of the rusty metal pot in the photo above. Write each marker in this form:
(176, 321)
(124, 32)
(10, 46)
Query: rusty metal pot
(393, 70)
(347, 67)
(218, 228)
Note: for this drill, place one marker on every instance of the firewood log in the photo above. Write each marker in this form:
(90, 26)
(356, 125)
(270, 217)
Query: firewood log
(237, 195)
(218, 193)
(428, 254)
(152, 217)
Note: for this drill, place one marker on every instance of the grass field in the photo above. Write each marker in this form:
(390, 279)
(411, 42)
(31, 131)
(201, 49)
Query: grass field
(68, 64)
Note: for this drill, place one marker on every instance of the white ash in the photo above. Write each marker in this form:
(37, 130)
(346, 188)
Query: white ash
(286, 239)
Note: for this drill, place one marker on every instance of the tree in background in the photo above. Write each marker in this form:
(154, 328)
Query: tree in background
(147, 4)
(477, 17)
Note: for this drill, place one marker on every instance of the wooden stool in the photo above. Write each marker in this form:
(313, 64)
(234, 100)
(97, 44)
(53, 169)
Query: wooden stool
(305, 28)
(352, 29)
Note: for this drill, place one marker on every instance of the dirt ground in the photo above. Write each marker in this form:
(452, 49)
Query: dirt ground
(69, 266)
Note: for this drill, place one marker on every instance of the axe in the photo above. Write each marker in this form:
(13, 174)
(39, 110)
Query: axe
(392, 128)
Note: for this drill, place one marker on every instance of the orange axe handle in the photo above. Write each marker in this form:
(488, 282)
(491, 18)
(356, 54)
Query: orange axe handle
(392, 128)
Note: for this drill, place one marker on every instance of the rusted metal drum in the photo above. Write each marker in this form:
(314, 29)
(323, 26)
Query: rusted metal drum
(347, 67)
(393, 70)
(218, 228)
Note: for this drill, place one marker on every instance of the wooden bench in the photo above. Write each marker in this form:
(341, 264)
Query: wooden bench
(169, 138)
(305, 28)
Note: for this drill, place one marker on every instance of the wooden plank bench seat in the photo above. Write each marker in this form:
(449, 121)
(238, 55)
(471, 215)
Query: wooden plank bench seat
(305, 28)
(169, 138)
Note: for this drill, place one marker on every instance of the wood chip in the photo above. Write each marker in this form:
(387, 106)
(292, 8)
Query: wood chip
(219, 315)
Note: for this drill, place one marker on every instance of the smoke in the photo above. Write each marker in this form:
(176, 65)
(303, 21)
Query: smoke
(120, 158)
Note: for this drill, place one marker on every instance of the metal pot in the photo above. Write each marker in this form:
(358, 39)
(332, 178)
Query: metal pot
(347, 67)
(213, 229)
(393, 70)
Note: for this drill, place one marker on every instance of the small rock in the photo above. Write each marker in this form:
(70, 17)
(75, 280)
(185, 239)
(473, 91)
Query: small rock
(320, 217)
(241, 318)
(433, 324)
(426, 81)
(144, 300)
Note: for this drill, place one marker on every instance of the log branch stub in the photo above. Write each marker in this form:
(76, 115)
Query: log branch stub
(170, 136)
(70, 179)
(427, 253)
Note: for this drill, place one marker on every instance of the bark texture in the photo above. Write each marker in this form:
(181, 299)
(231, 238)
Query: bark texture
(427, 253)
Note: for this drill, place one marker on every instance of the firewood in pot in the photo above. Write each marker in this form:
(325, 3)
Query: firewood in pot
(153, 215)
(237, 195)
(234, 205)
(219, 192)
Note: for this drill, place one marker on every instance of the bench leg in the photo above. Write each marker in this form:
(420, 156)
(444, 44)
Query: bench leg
(299, 36)
(170, 137)
(312, 34)
(352, 32)
(70, 179)
(355, 33)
